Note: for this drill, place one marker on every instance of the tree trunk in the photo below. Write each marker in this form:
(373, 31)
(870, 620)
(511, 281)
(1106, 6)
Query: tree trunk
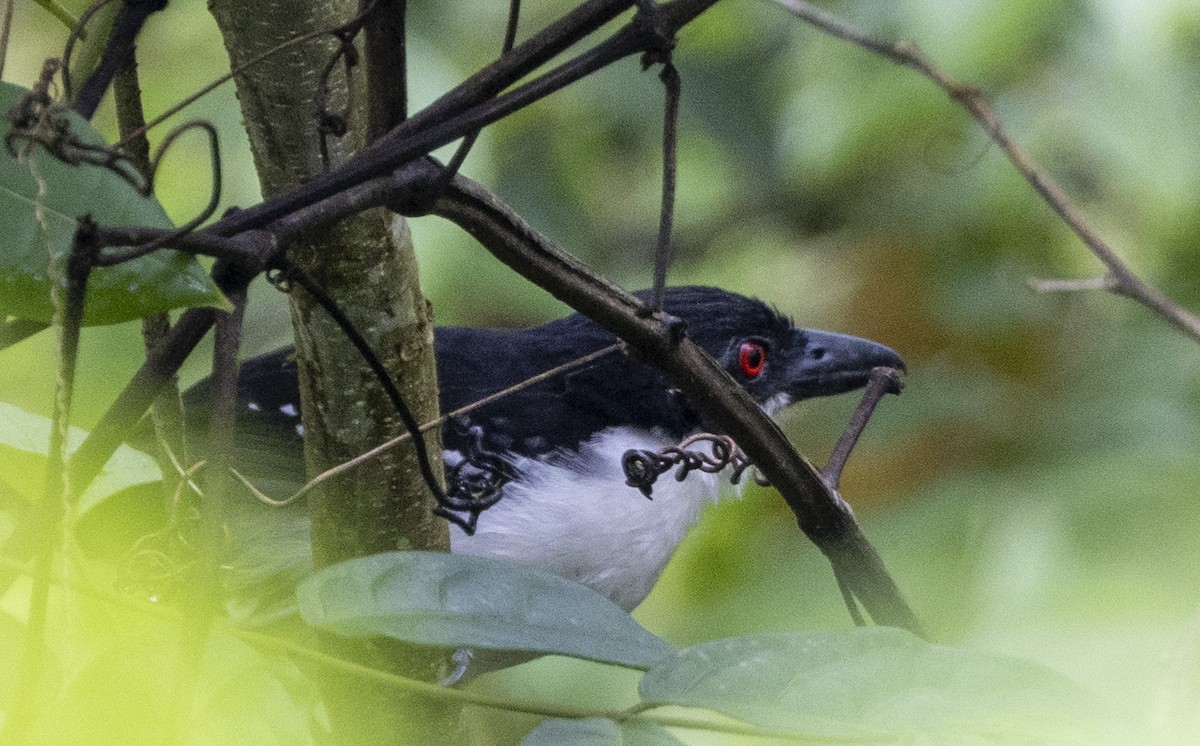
(366, 265)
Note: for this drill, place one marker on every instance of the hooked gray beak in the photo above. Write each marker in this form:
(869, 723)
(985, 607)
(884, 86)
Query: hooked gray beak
(826, 363)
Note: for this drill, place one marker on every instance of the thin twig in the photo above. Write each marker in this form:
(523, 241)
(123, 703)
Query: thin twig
(1104, 282)
(131, 116)
(241, 250)
(78, 34)
(166, 415)
(111, 258)
(1125, 281)
(218, 82)
(386, 42)
(883, 381)
(449, 502)
(202, 602)
(4, 32)
(468, 142)
(48, 513)
(663, 255)
(117, 52)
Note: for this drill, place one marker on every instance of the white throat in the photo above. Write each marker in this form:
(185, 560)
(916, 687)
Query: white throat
(573, 514)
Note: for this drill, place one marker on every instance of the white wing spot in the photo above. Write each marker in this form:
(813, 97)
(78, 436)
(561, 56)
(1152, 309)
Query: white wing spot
(253, 406)
(300, 430)
(289, 410)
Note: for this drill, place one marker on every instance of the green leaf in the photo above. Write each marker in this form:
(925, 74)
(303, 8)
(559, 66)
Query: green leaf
(599, 732)
(452, 600)
(874, 682)
(33, 243)
(24, 438)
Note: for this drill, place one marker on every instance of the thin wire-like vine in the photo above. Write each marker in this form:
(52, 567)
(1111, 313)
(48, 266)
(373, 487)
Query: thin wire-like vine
(474, 485)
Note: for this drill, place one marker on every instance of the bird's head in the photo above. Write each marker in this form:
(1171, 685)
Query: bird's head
(776, 362)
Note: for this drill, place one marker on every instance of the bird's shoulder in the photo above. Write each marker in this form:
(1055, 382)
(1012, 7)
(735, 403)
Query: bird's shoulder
(556, 414)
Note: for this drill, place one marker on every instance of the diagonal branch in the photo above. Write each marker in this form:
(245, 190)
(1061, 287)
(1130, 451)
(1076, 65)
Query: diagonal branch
(1124, 281)
(821, 512)
(472, 105)
(117, 53)
(823, 516)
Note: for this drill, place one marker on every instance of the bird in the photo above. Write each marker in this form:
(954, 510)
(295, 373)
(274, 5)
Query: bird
(565, 505)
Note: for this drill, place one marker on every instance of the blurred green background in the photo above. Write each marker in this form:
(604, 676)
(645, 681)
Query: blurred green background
(1035, 488)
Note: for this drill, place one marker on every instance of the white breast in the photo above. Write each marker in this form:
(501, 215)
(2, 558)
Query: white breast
(575, 516)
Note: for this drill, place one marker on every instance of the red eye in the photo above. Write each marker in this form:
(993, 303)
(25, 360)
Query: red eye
(752, 356)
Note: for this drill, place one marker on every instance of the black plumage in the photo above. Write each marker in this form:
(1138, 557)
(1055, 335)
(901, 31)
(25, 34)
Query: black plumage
(617, 390)
(564, 504)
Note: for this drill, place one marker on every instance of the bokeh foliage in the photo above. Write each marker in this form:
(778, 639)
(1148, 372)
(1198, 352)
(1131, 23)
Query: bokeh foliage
(1034, 488)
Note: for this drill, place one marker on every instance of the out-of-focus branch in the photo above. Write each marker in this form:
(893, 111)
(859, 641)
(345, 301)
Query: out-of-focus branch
(59, 12)
(15, 330)
(1123, 281)
(167, 411)
(5, 29)
(48, 513)
(117, 53)
(1078, 285)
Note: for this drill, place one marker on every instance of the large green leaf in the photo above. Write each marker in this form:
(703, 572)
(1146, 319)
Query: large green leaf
(37, 230)
(874, 683)
(24, 438)
(599, 732)
(457, 601)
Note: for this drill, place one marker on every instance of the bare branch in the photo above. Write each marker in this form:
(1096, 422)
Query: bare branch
(883, 381)
(471, 105)
(117, 53)
(236, 250)
(663, 253)
(1105, 282)
(1125, 282)
(822, 514)
(5, 28)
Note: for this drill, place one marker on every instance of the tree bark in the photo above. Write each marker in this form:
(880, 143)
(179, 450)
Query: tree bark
(366, 264)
